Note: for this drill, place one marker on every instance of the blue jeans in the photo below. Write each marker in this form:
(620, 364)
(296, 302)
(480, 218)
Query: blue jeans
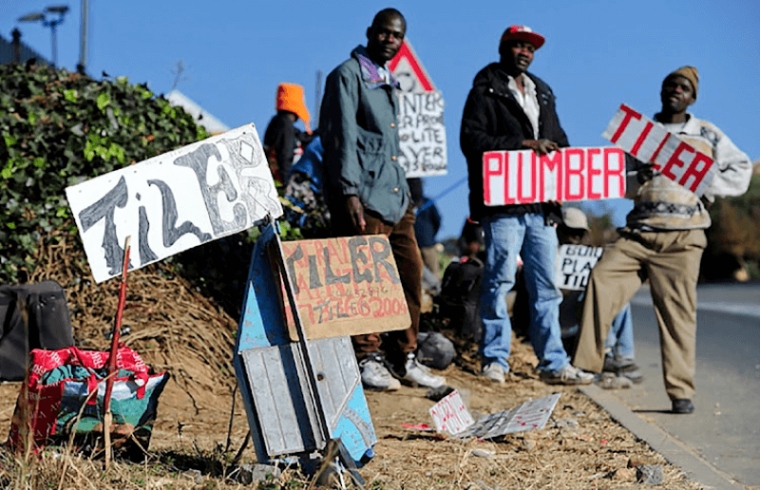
(620, 339)
(506, 236)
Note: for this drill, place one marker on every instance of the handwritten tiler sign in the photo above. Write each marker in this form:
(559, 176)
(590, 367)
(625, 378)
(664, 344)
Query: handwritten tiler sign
(344, 286)
(651, 142)
(569, 174)
(174, 202)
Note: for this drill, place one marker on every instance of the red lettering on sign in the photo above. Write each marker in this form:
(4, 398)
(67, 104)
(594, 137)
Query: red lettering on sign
(657, 151)
(570, 172)
(618, 172)
(551, 162)
(488, 159)
(674, 161)
(592, 172)
(643, 136)
(520, 178)
(696, 172)
(629, 114)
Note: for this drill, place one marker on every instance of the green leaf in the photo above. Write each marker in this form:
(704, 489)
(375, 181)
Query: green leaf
(103, 100)
(39, 162)
(70, 95)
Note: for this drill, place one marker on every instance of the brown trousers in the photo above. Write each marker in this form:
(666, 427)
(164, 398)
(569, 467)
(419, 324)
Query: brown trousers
(670, 260)
(409, 262)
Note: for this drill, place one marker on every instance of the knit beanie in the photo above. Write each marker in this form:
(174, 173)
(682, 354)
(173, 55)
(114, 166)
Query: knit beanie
(690, 73)
(290, 98)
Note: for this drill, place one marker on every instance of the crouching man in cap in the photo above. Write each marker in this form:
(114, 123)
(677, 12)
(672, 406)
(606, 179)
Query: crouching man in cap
(663, 241)
(367, 192)
(511, 109)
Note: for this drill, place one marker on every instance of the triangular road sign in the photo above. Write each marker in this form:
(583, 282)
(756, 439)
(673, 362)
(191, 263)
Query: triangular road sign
(408, 70)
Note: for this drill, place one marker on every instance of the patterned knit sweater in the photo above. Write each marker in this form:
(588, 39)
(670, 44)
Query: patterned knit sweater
(662, 205)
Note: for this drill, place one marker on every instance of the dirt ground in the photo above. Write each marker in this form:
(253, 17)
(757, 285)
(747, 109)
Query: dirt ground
(561, 456)
(177, 330)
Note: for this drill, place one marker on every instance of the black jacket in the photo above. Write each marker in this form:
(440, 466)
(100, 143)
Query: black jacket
(494, 120)
(280, 141)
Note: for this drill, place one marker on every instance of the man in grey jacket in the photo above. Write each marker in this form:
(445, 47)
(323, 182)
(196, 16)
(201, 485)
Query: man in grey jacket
(366, 189)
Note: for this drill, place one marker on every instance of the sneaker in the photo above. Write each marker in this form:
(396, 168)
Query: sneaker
(375, 376)
(682, 405)
(420, 375)
(495, 372)
(635, 376)
(568, 375)
(610, 381)
(617, 364)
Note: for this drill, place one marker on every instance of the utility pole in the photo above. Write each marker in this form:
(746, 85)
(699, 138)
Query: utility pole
(318, 97)
(83, 39)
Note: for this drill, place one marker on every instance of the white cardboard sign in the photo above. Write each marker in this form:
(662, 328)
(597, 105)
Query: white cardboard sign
(174, 202)
(650, 142)
(451, 415)
(570, 174)
(422, 134)
(574, 264)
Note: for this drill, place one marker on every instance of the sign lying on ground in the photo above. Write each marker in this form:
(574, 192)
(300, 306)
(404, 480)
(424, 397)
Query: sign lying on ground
(650, 142)
(345, 286)
(574, 264)
(531, 415)
(451, 415)
(174, 202)
(422, 134)
(570, 174)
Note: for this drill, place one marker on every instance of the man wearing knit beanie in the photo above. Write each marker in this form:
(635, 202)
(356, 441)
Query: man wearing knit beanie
(282, 140)
(663, 241)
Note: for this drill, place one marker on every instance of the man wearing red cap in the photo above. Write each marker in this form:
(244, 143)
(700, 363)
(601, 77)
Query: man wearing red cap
(282, 139)
(663, 241)
(511, 109)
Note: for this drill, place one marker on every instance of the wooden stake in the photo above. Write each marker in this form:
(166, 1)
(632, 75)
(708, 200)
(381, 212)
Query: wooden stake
(115, 334)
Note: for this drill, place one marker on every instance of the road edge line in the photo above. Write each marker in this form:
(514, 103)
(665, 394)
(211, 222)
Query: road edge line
(693, 466)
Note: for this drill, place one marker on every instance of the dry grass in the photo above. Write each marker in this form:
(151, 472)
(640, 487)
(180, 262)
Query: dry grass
(178, 330)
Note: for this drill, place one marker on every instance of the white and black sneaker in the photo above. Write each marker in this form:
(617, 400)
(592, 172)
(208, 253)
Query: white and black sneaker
(375, 375)
(419, 375)
(568, 375)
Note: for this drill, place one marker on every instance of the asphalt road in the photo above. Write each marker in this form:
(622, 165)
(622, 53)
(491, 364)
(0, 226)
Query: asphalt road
(725, 428)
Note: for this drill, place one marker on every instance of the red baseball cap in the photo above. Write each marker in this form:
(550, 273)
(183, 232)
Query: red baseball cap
(523, 33)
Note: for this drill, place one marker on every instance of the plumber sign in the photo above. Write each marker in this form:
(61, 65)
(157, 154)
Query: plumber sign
(174, 202)
(569, 174)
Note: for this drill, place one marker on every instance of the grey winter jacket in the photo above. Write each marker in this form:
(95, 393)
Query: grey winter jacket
(359, 130)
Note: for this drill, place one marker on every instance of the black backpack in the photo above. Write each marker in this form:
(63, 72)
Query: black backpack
(32, 316)
(459, 299)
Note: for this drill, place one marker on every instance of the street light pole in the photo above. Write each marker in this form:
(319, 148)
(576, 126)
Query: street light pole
(52, 24)
(83, 39)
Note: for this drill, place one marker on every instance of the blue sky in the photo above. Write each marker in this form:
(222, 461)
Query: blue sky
(598, 55)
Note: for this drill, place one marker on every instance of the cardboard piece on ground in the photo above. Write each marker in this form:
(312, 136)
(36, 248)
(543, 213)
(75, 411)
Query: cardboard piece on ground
(569, 174)
(175, 201)
(451, 415)
(344, 286)
(648, 141)
(531, 415)
(574, 264)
